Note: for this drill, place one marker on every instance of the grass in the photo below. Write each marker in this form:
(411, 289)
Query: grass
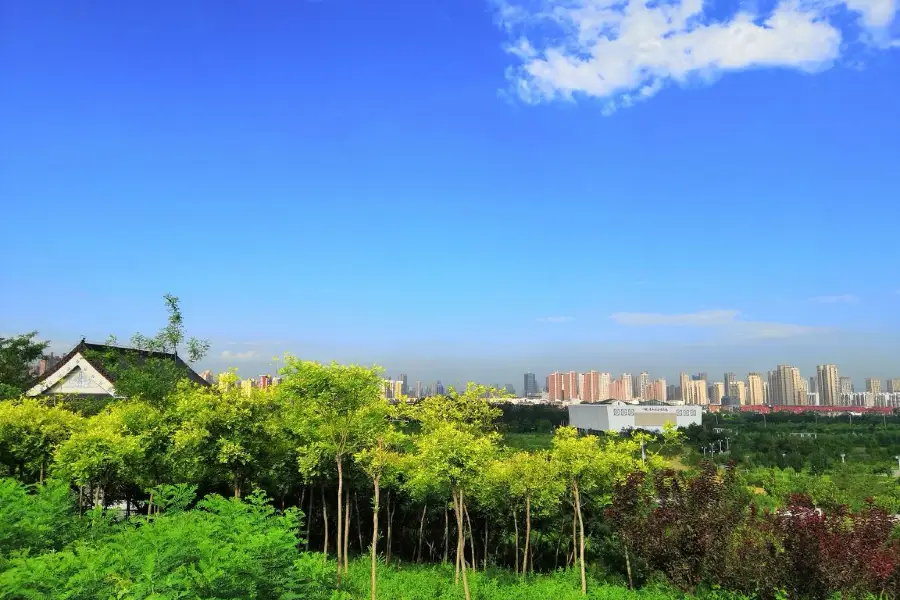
(436, 582)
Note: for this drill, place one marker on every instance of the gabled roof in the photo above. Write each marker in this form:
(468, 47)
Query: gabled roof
(85, 355)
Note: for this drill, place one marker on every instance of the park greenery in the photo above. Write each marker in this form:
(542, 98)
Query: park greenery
(320, 488)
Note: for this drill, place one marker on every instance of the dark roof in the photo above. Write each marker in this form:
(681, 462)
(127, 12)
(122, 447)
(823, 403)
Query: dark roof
(89, 352)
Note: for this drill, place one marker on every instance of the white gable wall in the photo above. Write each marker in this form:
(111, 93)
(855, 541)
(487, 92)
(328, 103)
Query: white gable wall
(77, 376)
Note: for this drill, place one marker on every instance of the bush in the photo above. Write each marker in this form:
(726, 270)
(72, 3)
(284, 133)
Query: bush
(222, 549)
(34, 519)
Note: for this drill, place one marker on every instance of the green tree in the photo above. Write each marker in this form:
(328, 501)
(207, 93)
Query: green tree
(30, 433)
(221, 434)
(335, 412)
(17, 354)
(382, 463)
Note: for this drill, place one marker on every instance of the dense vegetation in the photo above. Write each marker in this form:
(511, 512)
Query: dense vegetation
(319, 488)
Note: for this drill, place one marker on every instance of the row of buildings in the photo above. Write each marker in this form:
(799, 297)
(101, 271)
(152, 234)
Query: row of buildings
(783, 386)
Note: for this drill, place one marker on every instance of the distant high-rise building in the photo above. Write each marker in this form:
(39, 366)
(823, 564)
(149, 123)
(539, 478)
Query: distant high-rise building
(730, 378)
(784, 386)
(684, 382)
(570, 386)
(814, 384)
(603, 386)
(756, 393)
(590, 386)
(828, 385)
(438, 388)
(265, 381)
(418, 389)
(207, 376)
(893, 385)
(404, 388)
(703, 376)
(530, 387)
(738, 391)
(846, 385)
(510, 389)
(643, 381)
(718, 389)
(696, 392)
(247, 386)
(656, 390)
(555, 386)
(873, 386)
(627, 386)
(672, 391)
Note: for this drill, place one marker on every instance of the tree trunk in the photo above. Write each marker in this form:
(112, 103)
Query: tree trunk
(527, 533)
(471, 537)
(149, 503)
(484, 568)
(325, 521)
(421, 533)
(375, 508)
(462, 546)
(574, 533)
(446, 533)
(42, 471)
(580, 537)
(516, 538)
(358, 522)
(628, 566)
(237, 486)
(309, 516)
(387, 533)
(340, 507)
(346, 532)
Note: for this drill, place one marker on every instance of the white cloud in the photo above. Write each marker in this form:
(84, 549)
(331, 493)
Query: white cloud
(555, 319)
(625, 51)
(725, 320)
(702, 318)
(229, 355)
(838, 299)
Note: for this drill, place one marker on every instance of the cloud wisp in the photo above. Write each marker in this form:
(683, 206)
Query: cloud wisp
(239, 356)
(625, 51)
(837, 299)
(727, 322)
(559, 319)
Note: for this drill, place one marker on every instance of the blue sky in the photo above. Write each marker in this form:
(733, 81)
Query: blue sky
(464, 189)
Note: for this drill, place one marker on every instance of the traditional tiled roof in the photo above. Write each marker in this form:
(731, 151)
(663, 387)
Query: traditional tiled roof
(91, 352)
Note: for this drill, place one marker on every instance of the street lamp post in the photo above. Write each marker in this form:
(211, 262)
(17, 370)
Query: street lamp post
(727, 449)
(720, 446)
(842, 458)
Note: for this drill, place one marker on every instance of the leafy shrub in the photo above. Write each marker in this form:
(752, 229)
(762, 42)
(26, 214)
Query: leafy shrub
(222, 549)
(34, 519)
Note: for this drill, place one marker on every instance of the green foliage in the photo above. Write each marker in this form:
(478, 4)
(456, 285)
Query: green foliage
(223, 549)
(30, 432)
(34, 519)
(17, 354)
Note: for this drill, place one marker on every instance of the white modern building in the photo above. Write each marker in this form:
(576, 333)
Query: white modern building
(616, 416)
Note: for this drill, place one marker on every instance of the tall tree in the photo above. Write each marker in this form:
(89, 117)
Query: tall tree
(17, 354)
(335, 409)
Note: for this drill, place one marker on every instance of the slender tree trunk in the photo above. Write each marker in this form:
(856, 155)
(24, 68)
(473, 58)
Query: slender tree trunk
(375, 508)
(628, 566)
(42, 471)
(388, 538)
(149, 503)
(484, 567)
(574, 533)
(325, 521)
(358, 522)
(516, 538)
(556, 553)
(461, 544)
(237, 486)
(577, 495)
(340, 510)
(309, 517)
(471, 537)
(527, 533)
(346, 532)
(421, 534)
(446, 533)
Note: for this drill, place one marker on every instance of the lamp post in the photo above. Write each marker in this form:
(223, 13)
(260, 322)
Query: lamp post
(727, 449)
(842, 458)
(720, 446)
(898, 461)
